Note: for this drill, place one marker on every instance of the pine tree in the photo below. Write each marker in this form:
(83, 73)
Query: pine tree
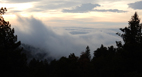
(8, 41)
(132, 35)
(131, 50)
(88, 52)
(13, 62)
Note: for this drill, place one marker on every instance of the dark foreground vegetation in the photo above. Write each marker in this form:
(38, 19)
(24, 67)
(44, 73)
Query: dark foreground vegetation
(123, 61)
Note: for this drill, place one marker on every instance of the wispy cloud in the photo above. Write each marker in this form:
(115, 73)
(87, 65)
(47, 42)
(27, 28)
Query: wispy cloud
(83, 8)
(109, 10)
(89, 7)
(136, 5)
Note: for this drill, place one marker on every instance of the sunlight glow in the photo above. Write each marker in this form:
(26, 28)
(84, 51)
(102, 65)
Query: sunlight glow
(23, 6)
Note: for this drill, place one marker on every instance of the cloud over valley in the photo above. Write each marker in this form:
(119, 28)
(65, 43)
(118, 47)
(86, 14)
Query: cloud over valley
(72, 39)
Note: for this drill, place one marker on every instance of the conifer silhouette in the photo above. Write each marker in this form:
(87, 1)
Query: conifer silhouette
(132, 35)
(13, 62)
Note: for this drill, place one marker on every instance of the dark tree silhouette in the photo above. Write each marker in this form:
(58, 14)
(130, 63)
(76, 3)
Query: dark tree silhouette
(88, 52)
(131, 50)
(132, 35)
(13, 63)
(126, 59)
(100, 52)
(8, 41)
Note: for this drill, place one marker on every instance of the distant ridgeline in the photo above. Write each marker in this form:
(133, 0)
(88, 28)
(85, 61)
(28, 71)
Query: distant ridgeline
(123, 61)
(33, 52)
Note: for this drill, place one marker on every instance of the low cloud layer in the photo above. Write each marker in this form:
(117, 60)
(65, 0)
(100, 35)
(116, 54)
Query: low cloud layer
(89, 7)
(33, 32)
(136, 5)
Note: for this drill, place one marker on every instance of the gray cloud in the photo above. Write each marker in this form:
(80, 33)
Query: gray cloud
(136, 5)
(35, 33)
(109, 10)
(83, 8)
(50, 4)
(89, 7)
(47, 5)
(44, 5)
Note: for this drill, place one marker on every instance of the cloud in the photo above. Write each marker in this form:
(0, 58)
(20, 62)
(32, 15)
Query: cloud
(83, 8)
(136, 5)
(44, 5)
(21, 1)
(83, 22)
(109, 10)
(50, 4)
(15, 11)
(33, 32)
(89, 7)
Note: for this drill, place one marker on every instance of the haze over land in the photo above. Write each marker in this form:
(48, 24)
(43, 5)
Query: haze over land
(62, 27)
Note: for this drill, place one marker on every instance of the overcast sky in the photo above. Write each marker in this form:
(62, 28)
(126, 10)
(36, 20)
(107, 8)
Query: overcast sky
(67, 24)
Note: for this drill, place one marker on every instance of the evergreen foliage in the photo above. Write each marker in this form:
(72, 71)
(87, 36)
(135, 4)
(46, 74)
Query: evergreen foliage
(132, 35)
(131, 50)
(88, 52)
(10, 53)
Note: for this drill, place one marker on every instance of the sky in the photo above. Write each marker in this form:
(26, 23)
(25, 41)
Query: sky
(65, 26)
